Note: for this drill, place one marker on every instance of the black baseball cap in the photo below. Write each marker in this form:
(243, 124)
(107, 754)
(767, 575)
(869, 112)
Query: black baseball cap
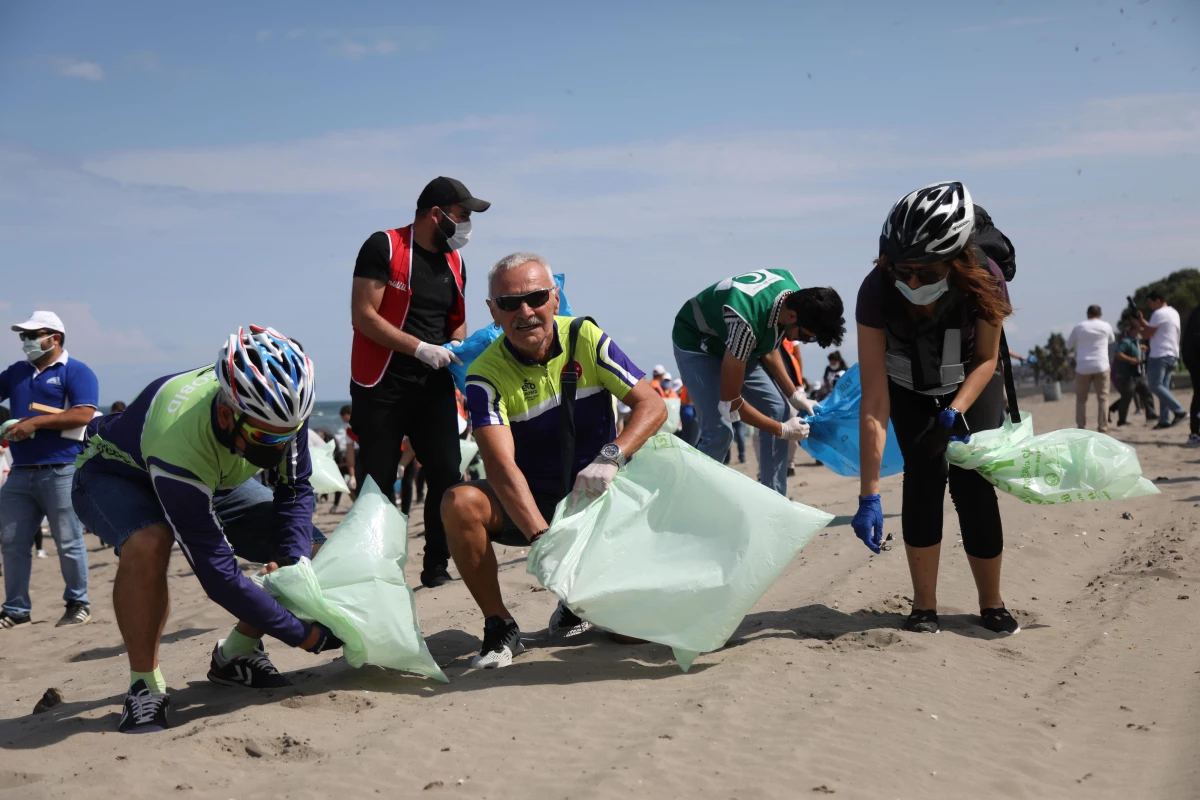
(444, 192)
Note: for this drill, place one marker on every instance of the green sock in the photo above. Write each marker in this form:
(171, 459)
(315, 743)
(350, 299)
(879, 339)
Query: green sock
(238, 645)
(154, 680)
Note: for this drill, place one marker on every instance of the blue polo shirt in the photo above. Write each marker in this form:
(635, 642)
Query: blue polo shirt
(66, 383)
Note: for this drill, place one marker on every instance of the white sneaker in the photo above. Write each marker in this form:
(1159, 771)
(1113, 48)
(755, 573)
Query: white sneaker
(565, 623)
(501, 643)
(41, 553)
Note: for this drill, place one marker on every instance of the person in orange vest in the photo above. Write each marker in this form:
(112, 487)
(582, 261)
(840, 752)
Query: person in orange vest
(407, 302)
(794, 366)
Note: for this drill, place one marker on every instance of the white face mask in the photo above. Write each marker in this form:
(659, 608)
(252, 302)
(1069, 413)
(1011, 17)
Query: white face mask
(33, 348)
(923, 295)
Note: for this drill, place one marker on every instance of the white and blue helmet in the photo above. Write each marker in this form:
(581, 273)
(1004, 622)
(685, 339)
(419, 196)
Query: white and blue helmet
(267, 376)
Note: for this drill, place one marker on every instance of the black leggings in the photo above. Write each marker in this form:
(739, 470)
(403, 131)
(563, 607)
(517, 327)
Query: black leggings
(926, 474)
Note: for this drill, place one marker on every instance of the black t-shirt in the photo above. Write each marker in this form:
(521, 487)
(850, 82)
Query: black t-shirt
(433, 296)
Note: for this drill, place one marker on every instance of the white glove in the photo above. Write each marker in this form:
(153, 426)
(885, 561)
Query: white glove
(794, 430)
(353, 484)
(594, 479)
(727, 415)
(799, 401)
(435, 355)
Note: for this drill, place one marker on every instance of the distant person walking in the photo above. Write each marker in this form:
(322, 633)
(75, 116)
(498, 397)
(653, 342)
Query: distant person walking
(1126, 370)
(408, 302)
(1163, 330)
(43, 450)
(1090, 340)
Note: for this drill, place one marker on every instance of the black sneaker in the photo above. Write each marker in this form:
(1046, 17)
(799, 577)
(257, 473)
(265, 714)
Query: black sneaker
(922, 621)
(998, 620)
(77, 613)
(254, 670)
(145, 711)
(435, 577)
(7, 620)
(501, 643)
(565, 623)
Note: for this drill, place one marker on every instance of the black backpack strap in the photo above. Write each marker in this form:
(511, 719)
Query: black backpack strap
(1010, 383)
(566, 409)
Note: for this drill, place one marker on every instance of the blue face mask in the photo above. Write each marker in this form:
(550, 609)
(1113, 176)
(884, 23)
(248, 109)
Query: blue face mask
(923, 295)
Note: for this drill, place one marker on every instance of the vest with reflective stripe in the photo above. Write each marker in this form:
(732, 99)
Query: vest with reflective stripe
(368, 359)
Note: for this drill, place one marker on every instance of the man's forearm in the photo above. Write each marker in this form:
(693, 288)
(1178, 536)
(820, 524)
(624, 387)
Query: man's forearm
(372, 325)
(643, 423)
(511, 488)
(72, 418)
(773, 363)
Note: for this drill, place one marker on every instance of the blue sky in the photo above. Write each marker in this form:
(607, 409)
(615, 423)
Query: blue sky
(168, 173)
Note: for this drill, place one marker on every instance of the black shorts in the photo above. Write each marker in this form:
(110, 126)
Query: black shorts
(510, 535)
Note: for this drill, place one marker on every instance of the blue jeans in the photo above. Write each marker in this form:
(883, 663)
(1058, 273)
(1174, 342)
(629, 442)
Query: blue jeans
(1158, 375)
(701, 373)
(27, 496)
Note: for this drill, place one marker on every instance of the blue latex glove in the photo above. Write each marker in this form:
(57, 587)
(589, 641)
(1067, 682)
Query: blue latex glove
(325, 641)
(868, 522)
(947, 420)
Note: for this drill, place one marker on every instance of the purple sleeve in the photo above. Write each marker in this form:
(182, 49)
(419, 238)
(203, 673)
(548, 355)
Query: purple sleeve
(869, 309)
(618, 373)
(187, 503)
(294, 498)
(995, 270)
(485, 405)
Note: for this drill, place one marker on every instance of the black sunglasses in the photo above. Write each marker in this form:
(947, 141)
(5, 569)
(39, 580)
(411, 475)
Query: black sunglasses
(513, 302)
(29, 336)
(924, 275)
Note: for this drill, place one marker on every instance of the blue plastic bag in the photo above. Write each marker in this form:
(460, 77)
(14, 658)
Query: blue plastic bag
(470, 348)
(833, 431)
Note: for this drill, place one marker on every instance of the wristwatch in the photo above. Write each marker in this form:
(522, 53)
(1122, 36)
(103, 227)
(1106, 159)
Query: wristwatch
(612, 452)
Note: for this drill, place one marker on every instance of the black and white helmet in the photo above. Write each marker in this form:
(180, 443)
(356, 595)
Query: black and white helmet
(931, 224)
(267, 376)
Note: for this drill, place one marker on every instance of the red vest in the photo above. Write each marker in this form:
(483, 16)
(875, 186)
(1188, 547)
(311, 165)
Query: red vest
(368, 359)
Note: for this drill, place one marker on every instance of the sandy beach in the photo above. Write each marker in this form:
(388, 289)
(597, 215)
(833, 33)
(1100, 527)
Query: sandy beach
(819, 691)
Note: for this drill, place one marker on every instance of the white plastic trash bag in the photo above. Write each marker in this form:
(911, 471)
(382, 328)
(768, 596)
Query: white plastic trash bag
(467, 450)
(677, 551)
(326, 477)
(1064, 466)
(355, 586)
(673, 407)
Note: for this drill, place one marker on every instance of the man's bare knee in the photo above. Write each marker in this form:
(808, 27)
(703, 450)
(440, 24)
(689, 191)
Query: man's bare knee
(152, 545)
(464, 507)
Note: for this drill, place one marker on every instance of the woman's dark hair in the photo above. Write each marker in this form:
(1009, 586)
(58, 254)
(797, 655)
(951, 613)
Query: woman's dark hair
(970, 275)
(819, 310)
(345, 410)
(836, 355)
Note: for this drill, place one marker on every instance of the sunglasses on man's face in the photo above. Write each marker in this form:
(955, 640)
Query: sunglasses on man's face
(513, 302)
(924, 275)
(29, 336)
(269, 438)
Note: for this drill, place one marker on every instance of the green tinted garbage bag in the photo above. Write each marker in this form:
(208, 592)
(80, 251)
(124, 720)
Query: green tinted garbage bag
(326, 477)
(672, 423)
(356, 587)
(677, 551)
(1063, 466)
(467, 450)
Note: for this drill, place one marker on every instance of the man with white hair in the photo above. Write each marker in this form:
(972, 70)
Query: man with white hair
(515, 399)
(53, 396)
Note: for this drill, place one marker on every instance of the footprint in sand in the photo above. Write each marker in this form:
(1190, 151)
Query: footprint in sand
(344, 702)
(281, 748)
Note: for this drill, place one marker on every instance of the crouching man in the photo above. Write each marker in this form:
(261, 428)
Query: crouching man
(513, 393)
(178, 466)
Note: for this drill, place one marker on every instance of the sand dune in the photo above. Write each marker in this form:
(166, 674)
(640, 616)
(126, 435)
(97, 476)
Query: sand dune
(818, 692)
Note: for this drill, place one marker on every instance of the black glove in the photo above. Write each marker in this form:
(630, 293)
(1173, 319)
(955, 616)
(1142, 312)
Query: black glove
(325, 640)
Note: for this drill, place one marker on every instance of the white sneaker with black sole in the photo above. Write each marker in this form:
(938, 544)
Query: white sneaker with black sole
(501, 643)
(145, 711)
(565, 623)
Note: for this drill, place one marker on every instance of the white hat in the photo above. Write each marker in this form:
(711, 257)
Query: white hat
(666, 376)
(41, 320)
(659, 369)
(677, 384)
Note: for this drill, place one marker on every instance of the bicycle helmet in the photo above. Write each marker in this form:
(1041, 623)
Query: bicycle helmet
(267, 376)
(931, 224)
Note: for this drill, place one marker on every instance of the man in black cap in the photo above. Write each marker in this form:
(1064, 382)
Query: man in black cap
(408, 302)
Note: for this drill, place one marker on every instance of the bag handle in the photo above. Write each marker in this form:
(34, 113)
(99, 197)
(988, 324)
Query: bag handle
(1010, 384)
(566, 409)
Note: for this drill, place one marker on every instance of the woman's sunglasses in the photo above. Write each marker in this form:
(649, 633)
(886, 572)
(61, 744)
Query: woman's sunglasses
(269, 438)
(924, 275)
(513, 302)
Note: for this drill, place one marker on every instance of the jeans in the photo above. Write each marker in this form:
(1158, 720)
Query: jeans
(701, 373)
(27, 496)
(1158, 373)
(1083, 383)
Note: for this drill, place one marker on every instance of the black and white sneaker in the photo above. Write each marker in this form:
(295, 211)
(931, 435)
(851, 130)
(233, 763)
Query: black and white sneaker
(7, 620)
(77, 613)
(254, 670)
(923, 620)
(565, 623)
(145, 711)
(501, 643)
(998, 620)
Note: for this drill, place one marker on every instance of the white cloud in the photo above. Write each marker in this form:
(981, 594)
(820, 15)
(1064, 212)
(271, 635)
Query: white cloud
(71, 67)
(262, 36)
(145, 60)
(90, 341)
